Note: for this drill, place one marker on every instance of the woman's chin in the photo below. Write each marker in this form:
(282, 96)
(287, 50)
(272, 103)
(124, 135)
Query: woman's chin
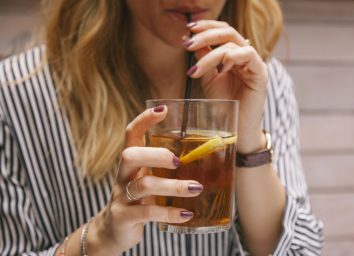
(175, 40)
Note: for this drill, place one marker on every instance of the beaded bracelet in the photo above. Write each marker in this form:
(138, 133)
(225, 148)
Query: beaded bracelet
(62, 250)
(83, 240)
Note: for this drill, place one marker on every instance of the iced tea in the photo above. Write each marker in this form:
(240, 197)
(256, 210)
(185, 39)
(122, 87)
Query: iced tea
(207, 157)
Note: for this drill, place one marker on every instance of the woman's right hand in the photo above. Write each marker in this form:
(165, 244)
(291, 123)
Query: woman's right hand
(119, 226)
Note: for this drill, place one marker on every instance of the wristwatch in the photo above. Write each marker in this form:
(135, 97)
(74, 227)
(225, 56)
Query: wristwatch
(258, 158)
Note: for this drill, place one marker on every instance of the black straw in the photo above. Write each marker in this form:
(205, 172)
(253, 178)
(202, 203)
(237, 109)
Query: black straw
(187, 92)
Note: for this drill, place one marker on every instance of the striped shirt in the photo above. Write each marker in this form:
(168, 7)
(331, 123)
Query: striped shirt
(43, 197)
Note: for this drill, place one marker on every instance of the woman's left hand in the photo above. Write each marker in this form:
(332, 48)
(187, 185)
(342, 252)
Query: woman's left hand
(232, 70)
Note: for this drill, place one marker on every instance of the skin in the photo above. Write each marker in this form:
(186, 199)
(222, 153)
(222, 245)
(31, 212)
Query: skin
(261, 197)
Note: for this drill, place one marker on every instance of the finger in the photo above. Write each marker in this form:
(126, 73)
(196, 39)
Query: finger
(201, 25)
(212, 60)
(133, 158)
(202, 52)
(214, 37)
(135, 131)
(141, 214)
(246, 56)
(156, 186)
(240, 56)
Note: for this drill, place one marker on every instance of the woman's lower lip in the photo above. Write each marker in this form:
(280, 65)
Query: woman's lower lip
(179, 16)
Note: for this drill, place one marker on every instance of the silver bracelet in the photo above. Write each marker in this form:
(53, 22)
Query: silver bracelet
(63, 246)
(83, 240)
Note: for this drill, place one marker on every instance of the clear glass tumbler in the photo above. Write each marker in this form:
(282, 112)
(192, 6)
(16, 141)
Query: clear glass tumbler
(206, 145)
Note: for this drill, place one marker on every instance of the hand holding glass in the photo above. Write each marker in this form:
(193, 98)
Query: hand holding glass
(207, 153)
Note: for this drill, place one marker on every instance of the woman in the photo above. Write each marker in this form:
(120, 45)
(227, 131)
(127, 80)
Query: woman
(64, 111)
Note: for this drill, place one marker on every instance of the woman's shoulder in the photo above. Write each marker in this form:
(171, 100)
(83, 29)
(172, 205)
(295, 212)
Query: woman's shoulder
(25, 80)
(279, 78)
(278, 72)
(23, 67)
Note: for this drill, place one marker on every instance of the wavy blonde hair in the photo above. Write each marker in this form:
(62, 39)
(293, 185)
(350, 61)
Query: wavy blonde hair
(99, 82)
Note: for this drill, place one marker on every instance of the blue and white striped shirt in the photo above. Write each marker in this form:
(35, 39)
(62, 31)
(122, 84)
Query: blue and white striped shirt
(43, 198)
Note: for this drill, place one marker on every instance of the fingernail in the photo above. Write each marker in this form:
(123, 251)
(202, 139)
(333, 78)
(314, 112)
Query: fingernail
(176, 161)
(187, 43)
(187, 214)
(192, 70)
(191, 24)
(159, 109)
(195, 188)
(220, 67)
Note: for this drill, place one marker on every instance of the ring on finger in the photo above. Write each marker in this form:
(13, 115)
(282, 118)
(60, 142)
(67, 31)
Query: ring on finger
(130, 196)
(248, 42)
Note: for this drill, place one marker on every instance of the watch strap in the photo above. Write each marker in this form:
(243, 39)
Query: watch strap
(258, 158)
(255, 159)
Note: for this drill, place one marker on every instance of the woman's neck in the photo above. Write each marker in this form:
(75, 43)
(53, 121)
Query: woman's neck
(163, 65)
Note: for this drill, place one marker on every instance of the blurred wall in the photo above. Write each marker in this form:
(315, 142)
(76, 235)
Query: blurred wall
(320, 58)
(319, 53)
(17, 20)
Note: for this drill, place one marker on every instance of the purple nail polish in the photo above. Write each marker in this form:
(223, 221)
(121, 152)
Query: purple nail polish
(192, 70)
(191, 24)
(187, 214)
(220, 67)
(176, 161)
(195, 188)
(188, 43)
(159, 109)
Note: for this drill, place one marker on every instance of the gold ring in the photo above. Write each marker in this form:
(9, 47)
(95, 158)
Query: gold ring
(248, 42)
(129, 195)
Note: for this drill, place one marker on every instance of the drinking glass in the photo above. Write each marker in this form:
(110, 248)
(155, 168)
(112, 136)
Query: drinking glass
(202, 133)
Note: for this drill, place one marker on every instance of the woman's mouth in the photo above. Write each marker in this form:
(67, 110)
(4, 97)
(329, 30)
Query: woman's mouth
(180, 13)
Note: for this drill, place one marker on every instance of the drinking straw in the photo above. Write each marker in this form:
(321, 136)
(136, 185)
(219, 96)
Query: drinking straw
(187, 92)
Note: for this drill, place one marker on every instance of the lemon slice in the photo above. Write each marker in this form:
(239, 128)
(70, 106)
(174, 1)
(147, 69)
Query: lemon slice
(212, 145)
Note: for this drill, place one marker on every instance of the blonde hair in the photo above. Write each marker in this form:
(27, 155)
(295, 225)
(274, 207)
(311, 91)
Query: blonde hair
(99, 82)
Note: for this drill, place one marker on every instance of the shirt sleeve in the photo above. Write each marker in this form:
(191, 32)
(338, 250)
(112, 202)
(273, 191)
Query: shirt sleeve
(302, 231)
(19, 234)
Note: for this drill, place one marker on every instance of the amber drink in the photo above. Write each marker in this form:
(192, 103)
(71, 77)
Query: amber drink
(207, 151)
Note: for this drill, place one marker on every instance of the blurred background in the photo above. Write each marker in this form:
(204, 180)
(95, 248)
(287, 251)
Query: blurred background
(318, 50)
